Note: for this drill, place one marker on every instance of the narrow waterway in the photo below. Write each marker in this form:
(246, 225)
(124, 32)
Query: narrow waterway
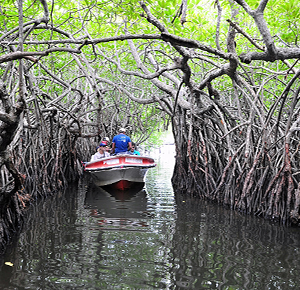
(88, 238)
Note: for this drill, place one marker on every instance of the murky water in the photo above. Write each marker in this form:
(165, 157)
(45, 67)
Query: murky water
(91, 239)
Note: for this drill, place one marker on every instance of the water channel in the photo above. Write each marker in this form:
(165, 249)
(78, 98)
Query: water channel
(88, 238)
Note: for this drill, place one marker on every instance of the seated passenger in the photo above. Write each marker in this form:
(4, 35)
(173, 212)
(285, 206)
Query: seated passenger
(101, 153)
(105, 141)
(133, 150)
(121, 142)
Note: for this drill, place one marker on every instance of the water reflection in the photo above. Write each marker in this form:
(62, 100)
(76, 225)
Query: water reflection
(123, 210)
(126, 246)
(90, 238)
(214, 248)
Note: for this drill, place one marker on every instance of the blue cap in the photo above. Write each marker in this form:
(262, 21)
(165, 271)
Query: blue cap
(102, 145)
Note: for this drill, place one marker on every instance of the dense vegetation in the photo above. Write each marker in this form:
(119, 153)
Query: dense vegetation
(224, 73)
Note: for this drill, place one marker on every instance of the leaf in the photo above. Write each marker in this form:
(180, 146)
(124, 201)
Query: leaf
(9, 264)
(7, 1)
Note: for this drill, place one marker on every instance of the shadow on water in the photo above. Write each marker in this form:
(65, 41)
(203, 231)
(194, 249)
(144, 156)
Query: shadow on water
(92, 238)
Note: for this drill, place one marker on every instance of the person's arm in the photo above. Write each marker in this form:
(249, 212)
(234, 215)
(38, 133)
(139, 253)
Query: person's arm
(129, 146)
(113, 148)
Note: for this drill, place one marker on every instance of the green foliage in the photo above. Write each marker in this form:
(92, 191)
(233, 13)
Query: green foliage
(100, 19)
(6, 1)
(284, 24)
(253, 3)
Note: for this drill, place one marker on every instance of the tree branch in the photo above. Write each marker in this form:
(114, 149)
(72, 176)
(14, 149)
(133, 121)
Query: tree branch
(19, 55)
(240, 30)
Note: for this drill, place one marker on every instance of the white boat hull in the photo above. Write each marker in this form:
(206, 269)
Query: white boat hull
(110, 176)
(122, 171)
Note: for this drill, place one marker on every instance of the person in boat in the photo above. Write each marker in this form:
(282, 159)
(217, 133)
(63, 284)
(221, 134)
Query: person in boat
(133, 150)
(106, 141)
(121, 143)
(101, 152)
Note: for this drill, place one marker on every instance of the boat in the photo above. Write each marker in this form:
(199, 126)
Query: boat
(121, 172)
